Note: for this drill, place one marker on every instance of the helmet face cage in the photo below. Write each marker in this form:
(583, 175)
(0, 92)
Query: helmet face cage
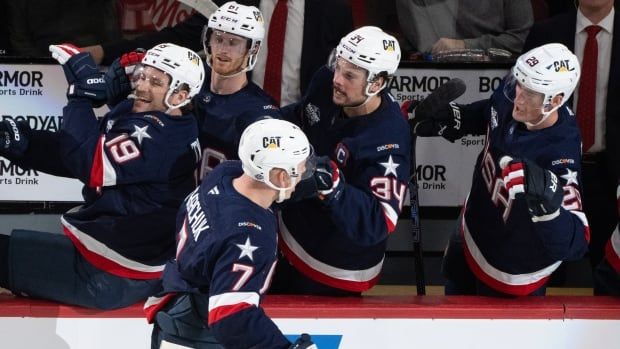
(237, 19)
(550, 70)
(182, 65)
(272, 143)
(372, 49)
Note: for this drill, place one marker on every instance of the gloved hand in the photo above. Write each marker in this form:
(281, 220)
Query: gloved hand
(543, 192)
(14, 139)
(82, 73)
(437, 114)
(118, 76)
(303, 342)
(328, 179)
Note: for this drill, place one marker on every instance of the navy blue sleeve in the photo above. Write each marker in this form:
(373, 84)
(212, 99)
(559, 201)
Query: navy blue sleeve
(566, 236)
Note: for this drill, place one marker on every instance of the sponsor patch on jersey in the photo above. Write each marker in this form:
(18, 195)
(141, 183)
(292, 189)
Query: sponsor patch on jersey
(341, 153)
(388, 147)
(313, 114)
(250, 225)
(562, 162)
(269, 107)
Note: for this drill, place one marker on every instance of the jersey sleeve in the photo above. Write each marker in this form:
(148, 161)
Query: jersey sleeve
(240, 276)
(125, 150)
(566, 235)
(368, 207)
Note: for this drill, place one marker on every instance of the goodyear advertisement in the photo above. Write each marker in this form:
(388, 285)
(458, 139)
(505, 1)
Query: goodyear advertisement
(34, 93)
(444, 170)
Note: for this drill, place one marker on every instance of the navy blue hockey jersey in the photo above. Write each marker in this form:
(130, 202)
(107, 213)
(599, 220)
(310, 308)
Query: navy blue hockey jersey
(226, 250)
(137, 169)
(612, 249)
(505, 247)
(222, 119)
(341, 243)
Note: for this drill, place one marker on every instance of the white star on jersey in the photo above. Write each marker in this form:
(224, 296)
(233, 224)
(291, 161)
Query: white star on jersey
(390, 166)
(140, 133)
(570, 176)
(247, 249)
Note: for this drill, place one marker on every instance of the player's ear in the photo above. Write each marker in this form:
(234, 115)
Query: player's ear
(376, 84)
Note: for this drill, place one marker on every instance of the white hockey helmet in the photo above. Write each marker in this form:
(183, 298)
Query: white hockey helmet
(372, 49)
(183, 66)
(273, 143)
(237, 19)
(550, 70)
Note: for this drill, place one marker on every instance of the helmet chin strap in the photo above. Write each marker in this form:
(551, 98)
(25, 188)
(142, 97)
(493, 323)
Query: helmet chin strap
(545, 115)
(248, 67)
(368, 95)
(281, 191)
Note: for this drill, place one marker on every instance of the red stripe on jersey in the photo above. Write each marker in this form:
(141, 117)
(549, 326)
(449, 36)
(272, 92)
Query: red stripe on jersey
(612, 256)
(223, 311)
(390, 225)
(109, 265)
(307, 270)
(152, 310)
(516, 290)
(96, 171)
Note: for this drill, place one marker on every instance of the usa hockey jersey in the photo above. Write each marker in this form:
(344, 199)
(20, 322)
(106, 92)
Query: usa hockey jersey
(341, 243)
(226, 251)
(222, 119)
(612, 249)
(504, 247)
(137, 169)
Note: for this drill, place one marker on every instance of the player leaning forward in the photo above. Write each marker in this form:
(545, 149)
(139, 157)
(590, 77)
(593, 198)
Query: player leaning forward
(523, 215)
(227, 246)
(136, 164)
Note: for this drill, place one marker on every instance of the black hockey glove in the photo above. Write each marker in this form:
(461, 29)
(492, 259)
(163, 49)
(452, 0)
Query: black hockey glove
(118, 76)
(328, 179)
(543, 192)
(82, 73)
(303, 342)
(437, 114)
(14, 139)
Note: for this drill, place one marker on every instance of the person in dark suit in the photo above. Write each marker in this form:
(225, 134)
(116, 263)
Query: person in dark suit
(601, 161)
(324, 23)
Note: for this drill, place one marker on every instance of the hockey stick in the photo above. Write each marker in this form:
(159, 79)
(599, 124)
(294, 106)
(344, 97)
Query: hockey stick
(443, 95)
(204, 7)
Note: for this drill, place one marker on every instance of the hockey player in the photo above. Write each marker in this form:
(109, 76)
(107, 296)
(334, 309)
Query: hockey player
(607, 273)
(334, 234)
(228, 100)
(227, 245)
(523, 215)
(137, 165)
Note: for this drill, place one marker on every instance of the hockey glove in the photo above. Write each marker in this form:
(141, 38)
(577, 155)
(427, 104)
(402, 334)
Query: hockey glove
(118, 76)
(303, 342)
(328, 179)
(543, 192)
(14, 139)
(437, 114)
(83, 76)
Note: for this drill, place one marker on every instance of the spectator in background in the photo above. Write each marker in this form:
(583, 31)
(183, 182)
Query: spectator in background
(435, 26)
(597, 113)
(607, 273)
(313, 29)
(34, 25)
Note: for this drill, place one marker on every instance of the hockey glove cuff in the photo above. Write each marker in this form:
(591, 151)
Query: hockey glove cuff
(543, 192)
(118, 76)
(329, 181)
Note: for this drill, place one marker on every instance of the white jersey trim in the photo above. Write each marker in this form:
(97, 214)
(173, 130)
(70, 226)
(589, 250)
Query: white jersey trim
(615, 241)
(102, 250)
(498, 275)
(109, 174)
(233, 298)
(331, 271)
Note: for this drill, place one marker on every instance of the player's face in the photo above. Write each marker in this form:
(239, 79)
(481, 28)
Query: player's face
(349, 84)
(151, 86)
(528, 105)
(229, 52)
